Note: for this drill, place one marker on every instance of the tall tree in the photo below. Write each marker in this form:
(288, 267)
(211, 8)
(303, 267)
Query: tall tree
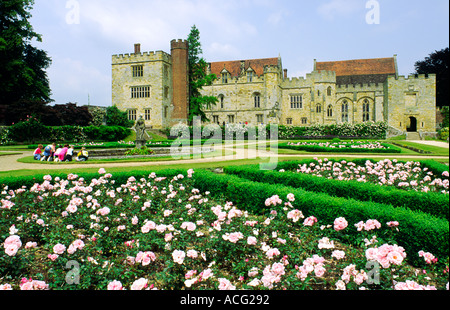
(438, 63)
(198, 78)
(22, 67)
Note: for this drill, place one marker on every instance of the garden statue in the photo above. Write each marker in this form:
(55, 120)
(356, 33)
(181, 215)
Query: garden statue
(141, 134)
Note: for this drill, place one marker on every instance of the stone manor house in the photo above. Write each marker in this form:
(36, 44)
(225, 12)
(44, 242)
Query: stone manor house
(259, 91)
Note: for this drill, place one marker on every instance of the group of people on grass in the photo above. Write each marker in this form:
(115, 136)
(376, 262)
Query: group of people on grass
(60, 153)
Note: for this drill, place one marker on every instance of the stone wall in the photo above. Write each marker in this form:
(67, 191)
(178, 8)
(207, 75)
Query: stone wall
(411, 98)
(156, 75)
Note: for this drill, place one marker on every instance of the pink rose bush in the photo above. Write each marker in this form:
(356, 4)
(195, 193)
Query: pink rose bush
(408, 176)
(160, 232)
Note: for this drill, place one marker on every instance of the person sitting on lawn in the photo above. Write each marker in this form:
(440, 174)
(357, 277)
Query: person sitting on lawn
(49, 152)
(83, 155)
(56, 154)
(62, 154)
(69, 154)
(38, 152)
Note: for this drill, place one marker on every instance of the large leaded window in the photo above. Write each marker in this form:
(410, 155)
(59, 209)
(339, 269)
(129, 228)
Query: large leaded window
(296, 101)
(366, 110)
(345, 111)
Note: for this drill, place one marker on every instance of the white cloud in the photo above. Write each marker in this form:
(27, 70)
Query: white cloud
(222, 52)
(276, 17)
(74, 80)
(339, 8)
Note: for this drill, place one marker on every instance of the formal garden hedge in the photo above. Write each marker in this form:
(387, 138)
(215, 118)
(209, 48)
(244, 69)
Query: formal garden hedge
(139, 231)
(436, 204)
(341, 147)
(418, 230)
(33, 130)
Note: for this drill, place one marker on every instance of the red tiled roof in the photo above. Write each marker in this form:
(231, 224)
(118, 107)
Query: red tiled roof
(234, 67)
(359, 66)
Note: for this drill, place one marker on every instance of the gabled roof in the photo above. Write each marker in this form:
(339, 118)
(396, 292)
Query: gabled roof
(359, 66)
(235, 67)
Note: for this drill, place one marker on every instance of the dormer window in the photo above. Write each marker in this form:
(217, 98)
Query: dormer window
(225, 76)
(250, 74)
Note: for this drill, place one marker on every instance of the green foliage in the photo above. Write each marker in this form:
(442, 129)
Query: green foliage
(31, 129)
(23, 67)
(437, 63)
(139, 151)
(418, 230)
(98, 116)
(435, 204)
(342, 147)
(345, 130)
(444, 133)
(106, 133)
(115, 117)
(198, 78)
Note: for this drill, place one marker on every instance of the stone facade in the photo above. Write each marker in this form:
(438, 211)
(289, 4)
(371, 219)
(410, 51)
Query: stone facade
(259, 91)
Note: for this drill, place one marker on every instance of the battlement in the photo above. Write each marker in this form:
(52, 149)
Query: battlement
(361, 87)
(141, 57)
(179, 44)
(413, 77)
(272, 69)
(322, 76)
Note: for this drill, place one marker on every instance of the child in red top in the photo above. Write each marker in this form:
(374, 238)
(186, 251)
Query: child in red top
(38, 152)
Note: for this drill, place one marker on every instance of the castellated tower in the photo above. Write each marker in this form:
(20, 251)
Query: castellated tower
(180, 81)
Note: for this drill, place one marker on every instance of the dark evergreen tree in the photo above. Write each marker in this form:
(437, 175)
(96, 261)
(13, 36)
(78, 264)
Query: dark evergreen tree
(437, 63)
(22, 67)
(198, 78)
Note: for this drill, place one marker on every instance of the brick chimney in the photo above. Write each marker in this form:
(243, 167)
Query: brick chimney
(137, 48)
(285, 73)
(180, 80)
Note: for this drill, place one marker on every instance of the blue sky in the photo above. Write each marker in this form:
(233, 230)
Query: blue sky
(81, 41)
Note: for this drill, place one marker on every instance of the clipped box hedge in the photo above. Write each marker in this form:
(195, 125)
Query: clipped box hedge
(435, 204)
(322, 149)
(417, 230)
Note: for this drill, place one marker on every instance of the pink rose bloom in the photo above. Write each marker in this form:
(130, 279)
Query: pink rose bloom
(52, 257)
(235, 237)
(372, 224)
(206, 274)
(104, 211)
(59, 248)
(168, 237)
(291, 197)
(115, 286)
(178, 256)
(148, 226)
(5, 287)
(71, 249)
(395, 258)
(79, 244)
(310, 221)
(428, 257)
(340, 224)
(271, 253)
(252, 240)
(189, 226)
(338, 254)
(225, 285)
(101, 171)
(392, 224)
(30, 245)
(295, 215)
(278, 269)
(192, 254)
(11, 249)
(139, 284)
